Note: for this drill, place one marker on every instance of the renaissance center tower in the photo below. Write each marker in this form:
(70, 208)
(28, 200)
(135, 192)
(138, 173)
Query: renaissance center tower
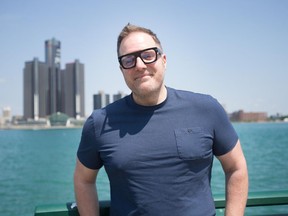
(53, 61)
(48, 89)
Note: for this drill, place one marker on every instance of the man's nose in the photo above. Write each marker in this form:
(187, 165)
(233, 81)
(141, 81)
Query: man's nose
(140, 63)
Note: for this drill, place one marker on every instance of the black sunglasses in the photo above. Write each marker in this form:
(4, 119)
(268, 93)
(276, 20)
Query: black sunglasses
(148, 56)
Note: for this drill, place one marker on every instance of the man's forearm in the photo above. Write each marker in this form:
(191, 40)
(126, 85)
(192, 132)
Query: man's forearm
(87, 199)
(236, 192)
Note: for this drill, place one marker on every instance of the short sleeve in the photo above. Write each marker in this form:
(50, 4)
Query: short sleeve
(224, 132)
(88, 153)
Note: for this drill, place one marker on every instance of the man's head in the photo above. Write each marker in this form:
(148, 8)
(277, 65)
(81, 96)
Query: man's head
(133, 28)
(142, 63)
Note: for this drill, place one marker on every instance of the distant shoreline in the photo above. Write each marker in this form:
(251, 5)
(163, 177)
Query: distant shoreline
(33, 127)
(44, 127)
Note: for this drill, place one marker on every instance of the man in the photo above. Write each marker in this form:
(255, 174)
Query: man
(157, 144)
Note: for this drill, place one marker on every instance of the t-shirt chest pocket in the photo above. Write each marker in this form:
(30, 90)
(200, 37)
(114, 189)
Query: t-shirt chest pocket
(193, 143)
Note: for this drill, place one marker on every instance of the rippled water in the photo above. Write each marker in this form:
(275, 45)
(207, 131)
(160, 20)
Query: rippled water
(36, 166)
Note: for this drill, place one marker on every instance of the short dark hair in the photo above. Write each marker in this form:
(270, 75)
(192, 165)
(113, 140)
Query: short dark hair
(129, 28)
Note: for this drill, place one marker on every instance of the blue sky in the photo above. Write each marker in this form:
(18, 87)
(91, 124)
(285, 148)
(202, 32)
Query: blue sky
(236, 51)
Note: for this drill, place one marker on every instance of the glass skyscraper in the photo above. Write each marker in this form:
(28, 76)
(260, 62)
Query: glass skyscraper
(53, 60)
(36, 89)
(73, 89)
(100, 100)
(48, 89)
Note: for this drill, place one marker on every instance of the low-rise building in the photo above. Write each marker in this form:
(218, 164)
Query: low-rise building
(241, 116)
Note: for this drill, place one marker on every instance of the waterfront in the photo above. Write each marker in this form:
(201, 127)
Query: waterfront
(37, 166)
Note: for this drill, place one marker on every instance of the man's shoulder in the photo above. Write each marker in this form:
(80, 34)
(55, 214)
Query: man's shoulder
(185, 94)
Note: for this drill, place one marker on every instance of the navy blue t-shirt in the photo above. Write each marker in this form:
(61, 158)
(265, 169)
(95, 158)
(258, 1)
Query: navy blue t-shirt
(158, 158)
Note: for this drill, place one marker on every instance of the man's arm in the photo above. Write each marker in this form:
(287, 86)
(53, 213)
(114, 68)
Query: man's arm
(85, 190)
(236, 175)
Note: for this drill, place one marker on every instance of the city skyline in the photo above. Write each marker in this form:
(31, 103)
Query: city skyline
(48, 89)
(235, 51)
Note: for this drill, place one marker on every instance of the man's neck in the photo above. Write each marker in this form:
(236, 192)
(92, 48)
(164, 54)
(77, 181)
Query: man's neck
(152, 99)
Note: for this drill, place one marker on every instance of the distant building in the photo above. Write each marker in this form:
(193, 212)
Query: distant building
(36, 89)
(241, 116)
(49, 90)
(6, 113)
(73, 90)
(118, 96)
(53, 60)
(100, 100)
(6, 116)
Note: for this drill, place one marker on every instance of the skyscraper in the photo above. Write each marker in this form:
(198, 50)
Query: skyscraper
(53, 60)
(48, 89)
(36, 89)
(100, 100)
(118, 96)
(73, 90)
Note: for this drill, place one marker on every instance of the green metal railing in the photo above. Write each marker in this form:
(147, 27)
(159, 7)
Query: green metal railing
(255, 199)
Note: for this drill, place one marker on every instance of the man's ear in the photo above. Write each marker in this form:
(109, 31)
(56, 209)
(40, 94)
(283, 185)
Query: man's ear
(164, 60)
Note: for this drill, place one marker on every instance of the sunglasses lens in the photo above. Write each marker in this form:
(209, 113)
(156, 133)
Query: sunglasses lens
(149, 56)
(128, 61)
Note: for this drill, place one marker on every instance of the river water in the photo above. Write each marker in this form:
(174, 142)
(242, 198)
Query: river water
(36, 166)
